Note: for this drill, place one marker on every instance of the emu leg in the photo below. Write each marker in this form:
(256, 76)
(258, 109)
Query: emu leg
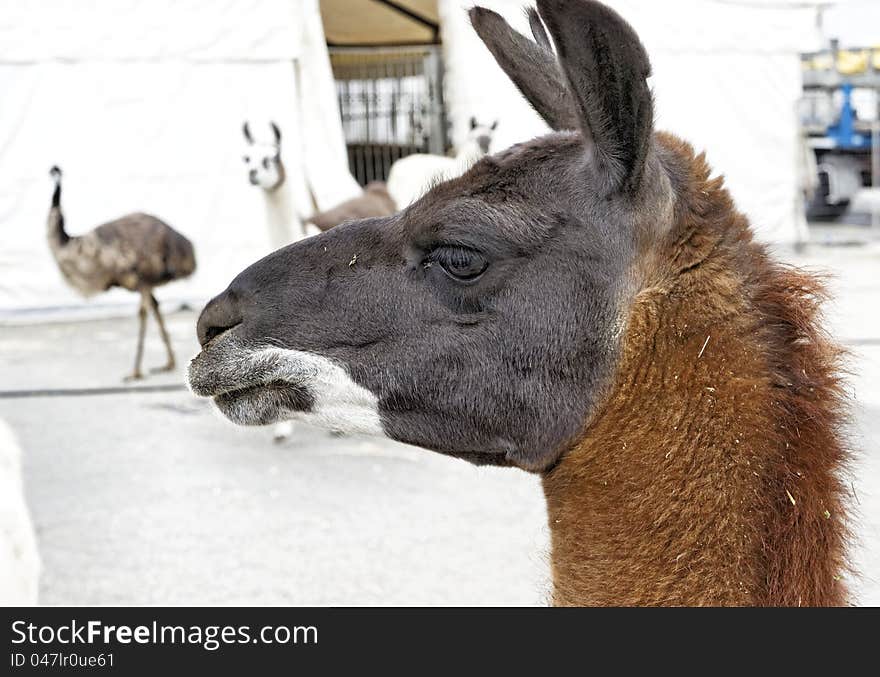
(142, 327)
(154, 304)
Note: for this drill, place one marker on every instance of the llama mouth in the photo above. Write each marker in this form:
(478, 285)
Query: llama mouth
(279, 387)
(251, 385)
(265, 403)
(226, 370)
(259, 385)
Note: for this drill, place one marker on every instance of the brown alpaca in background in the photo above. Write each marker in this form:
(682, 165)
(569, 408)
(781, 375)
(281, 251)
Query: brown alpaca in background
(374, 201)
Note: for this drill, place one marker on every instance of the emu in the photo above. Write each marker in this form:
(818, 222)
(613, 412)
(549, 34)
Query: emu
(411, 176)
(137, 252)
(589, 306)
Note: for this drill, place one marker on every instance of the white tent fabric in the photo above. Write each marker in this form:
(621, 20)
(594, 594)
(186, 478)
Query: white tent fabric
(726, 77)
(141, 103)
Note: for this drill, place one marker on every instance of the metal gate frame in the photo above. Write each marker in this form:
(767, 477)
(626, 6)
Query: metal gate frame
(391, 104)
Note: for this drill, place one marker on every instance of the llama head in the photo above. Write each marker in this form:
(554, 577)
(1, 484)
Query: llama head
(480, 135)
(484, 321)
(263, 159)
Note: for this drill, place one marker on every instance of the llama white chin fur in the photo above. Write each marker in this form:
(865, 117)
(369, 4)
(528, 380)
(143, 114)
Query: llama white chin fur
(243, 389)
(340, 404)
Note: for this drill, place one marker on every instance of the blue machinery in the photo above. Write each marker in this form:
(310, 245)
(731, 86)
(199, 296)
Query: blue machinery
(844, 133)
(846, 148)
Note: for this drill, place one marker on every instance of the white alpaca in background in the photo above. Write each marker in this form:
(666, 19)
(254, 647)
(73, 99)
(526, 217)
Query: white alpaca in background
(19, 559)
(411, 177)
(266, 170)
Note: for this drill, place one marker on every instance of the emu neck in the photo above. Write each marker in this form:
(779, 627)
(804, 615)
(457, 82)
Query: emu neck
(709, 475)
(281, 217)
(58, 237)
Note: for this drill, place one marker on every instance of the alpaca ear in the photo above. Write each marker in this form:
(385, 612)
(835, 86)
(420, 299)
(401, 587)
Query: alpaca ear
(607, 68)
(277, 132)
(531, 67)
(246, 130)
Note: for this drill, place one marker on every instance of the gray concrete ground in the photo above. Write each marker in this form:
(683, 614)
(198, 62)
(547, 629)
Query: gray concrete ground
(153, 499)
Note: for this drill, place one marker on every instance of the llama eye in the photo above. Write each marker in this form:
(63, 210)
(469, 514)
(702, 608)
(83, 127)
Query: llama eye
(246, 158)
(265, 163)
(460, 263)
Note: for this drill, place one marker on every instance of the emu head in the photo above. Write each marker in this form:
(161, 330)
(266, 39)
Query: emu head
(263, 159)
(480, 135)
(484, 321)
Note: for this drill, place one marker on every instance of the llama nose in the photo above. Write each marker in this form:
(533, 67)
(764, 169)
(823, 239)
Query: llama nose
(220, 315)
(252, 176)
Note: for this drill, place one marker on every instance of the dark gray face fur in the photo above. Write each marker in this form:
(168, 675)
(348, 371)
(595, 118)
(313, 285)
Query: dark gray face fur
(485, 320)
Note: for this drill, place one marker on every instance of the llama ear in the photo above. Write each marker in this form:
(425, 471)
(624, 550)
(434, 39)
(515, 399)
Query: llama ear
(538, 31)
(607, 69)
(246, 130)
(276, 132)
(531, 67)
